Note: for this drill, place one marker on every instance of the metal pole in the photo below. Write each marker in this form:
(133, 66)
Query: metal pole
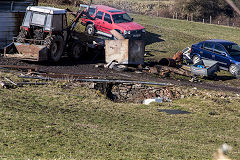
(230, 2)
(100, 80)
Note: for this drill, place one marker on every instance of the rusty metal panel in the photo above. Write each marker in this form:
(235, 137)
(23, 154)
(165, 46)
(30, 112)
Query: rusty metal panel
(125, 51)
(11, 16)
(9, 27)
(136, 52)
(16, 6)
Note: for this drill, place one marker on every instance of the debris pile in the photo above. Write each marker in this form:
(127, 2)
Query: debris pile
(135, 93)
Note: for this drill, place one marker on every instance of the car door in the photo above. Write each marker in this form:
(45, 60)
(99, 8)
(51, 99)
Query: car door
(99, 20)
(221, 56)
(107, 23)
(207, 51)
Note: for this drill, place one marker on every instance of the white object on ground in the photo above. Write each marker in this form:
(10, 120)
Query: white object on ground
(148, 101)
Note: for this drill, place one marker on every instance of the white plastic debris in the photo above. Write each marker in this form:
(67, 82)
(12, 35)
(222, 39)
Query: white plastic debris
(148, 101)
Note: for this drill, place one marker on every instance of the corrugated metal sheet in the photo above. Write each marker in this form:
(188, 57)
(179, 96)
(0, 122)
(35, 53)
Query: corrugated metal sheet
(11, 16)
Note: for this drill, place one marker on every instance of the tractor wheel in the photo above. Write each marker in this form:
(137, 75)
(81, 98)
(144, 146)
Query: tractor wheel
(56, 48)
(21, 36)
(77, 51)
(234, 69)
(90, 29)
(196, 59)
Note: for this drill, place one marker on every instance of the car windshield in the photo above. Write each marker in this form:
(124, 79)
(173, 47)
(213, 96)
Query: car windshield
(233, 49)
(121, 18)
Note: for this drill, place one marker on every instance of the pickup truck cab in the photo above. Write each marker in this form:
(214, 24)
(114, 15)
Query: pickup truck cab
(226, 53)
(104, 19)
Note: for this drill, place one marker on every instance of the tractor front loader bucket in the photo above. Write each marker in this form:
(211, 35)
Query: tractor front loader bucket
(31, 52)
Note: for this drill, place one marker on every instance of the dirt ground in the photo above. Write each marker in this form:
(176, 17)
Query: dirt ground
(68, 66)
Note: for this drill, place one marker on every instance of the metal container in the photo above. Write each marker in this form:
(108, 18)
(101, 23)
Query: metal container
(11, 17)
(205, 68)
(125, 51)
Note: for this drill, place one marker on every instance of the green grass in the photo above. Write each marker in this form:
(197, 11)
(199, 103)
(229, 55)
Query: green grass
(59, 122)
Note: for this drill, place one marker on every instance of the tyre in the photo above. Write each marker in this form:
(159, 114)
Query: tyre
(21, 36)
(234, 69)
(196, 59)
(77, 51)
(90, 29)
(56, 48)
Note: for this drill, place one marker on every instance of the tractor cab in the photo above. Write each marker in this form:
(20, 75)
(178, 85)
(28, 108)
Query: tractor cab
(39, 21)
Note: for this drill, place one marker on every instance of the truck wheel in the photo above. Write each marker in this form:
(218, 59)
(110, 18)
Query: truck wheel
(234, 69)
(196, 59)
(90, 29)
(56, 48)
(77, 51)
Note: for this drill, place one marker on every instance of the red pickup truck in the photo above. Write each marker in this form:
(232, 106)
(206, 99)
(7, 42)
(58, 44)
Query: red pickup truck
(104, 19)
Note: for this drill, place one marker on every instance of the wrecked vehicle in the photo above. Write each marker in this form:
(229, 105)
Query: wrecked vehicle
(226, 53)
(104, 19)
(45, 35)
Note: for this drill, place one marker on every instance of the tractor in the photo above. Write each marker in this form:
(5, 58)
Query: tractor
(45, 35)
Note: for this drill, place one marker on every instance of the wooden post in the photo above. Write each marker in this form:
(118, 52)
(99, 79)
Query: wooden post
(203, 21)
(176, 15)
(218, 22)
(173, 16)
(192, 17)
(210, 19)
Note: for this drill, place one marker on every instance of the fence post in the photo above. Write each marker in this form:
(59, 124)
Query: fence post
(192, 17)
(176, 15)
(203, 21)
(173, 16)
(218, 22)
(210, 19)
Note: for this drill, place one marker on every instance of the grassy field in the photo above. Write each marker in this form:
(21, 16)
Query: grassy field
(59, 121)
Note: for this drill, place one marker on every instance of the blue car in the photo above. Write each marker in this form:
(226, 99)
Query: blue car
(226, 53)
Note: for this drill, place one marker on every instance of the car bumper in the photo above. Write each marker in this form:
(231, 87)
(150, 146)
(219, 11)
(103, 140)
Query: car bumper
(134, 36)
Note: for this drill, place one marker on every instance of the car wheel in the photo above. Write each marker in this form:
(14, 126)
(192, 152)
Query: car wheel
(90, 29)
(196, 59)
(56, 48)
(234, 69)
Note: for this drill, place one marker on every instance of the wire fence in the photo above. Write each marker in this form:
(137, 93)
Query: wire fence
(220, 20)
